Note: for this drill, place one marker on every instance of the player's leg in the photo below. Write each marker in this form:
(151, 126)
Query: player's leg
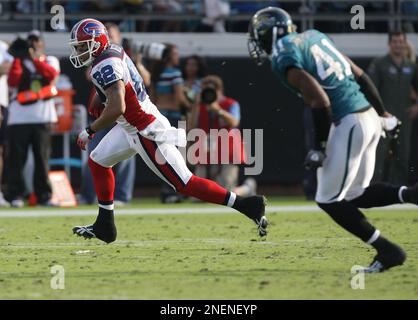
(167, 162)
(345, 150)
(116, 146)
(363, 195)
(335, 177)
(381, 194)
(378, 194)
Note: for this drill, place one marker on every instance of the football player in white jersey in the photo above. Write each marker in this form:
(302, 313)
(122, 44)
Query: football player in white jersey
(141, 129)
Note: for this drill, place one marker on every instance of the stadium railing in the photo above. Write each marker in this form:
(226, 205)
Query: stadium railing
(306, 13)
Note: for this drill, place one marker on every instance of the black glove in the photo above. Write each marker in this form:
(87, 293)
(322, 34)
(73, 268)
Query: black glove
(314, 159)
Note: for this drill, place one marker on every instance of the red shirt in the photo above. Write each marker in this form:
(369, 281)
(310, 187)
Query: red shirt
(227, 150)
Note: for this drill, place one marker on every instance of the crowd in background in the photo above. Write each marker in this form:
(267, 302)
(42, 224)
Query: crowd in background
(213, 15)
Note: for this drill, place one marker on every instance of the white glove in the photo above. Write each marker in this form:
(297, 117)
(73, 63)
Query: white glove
(84, 137)
(390, 126)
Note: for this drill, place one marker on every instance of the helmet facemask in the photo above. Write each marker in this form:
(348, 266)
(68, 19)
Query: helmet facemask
(266, 27)
(92, 47)
(256, 47)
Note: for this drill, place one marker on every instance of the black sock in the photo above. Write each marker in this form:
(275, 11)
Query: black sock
(377, 195)
(104, 227)
(381, 243)
(350, 218)
(238, 202)
(105, 215)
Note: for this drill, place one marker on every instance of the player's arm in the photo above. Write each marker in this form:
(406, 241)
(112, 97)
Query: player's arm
(115, 106)
(369, 89)
(314, 96)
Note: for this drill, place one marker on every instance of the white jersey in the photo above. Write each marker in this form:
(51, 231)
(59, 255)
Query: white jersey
(113, 65)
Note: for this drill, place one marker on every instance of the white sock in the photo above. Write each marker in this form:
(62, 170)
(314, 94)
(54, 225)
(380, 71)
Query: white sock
(374, 237)
(107, 206)
(231, 200)
(401, 189)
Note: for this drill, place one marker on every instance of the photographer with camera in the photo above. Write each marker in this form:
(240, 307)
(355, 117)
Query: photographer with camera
(217, 111)
(32, 78)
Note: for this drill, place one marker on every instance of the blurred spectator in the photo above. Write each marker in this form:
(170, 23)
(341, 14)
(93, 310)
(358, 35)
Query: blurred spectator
(217, 111)
(248, 8)
(394, 75)
(24, 6)
(194, 8)
(31, 113)
(410, 7)
(215, 13)
(167, 92)
(5, 62)
(107, 5)
(194, 69)
(410, 52)
(124, 170)
(135, 7)
(169, 7)
(413, 115)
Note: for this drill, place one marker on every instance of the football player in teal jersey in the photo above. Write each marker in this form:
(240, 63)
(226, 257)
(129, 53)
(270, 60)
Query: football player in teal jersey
(349, 119)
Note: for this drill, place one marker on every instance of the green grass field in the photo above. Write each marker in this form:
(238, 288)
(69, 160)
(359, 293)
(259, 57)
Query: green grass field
(201, 256)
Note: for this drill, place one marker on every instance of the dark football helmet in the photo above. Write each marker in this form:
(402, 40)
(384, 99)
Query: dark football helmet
(266, 26)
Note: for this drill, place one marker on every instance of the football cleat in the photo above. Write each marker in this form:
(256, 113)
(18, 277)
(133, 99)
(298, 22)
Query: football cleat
(84, 231)
(254, 208)
(262, 226)
(385, 260)
(103, 231)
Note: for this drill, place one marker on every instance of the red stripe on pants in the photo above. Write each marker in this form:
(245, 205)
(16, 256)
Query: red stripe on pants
(165, 169)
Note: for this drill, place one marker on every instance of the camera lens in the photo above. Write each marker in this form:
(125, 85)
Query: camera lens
(208, 95)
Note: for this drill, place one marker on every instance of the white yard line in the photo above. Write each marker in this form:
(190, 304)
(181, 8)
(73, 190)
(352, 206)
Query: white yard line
(145, 243)
(10, 213)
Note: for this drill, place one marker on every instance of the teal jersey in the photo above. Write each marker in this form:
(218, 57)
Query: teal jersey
(315, 53)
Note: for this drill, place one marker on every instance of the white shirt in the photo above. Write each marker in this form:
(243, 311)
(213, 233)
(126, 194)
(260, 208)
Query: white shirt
(42, 111)
(4, 89)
